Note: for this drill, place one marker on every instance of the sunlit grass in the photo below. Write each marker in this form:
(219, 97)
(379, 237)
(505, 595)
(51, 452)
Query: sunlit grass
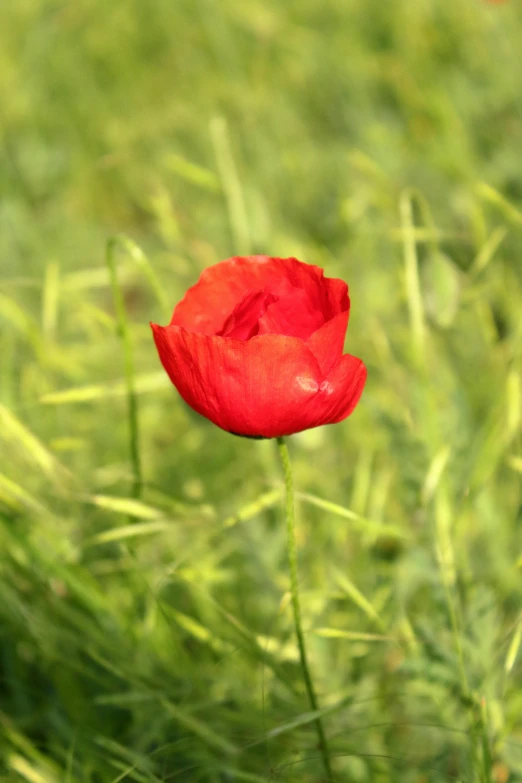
(147, 635)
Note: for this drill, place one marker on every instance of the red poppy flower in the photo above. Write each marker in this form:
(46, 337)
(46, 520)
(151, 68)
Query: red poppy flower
(256, 347)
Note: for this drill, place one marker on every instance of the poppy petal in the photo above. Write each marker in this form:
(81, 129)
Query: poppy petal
(267, 386)
(207, 304)
(342, 389)
(293, 314)
(328, 341)
(243, 322)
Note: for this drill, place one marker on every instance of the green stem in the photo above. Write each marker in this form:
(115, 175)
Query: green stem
(294, 589)
(124, 333)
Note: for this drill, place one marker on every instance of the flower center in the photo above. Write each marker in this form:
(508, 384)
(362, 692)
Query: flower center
(243, 321)
(286, 310)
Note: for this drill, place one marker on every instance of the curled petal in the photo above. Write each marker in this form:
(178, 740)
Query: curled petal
(342, 389)
(328, 341)
(293, 314)
(336, 296)
(243, 322)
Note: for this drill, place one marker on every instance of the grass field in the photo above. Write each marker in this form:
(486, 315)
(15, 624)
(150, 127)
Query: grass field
(150, 638)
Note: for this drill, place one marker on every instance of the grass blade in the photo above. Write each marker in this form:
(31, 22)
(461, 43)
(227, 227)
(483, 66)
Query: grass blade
(124, 333)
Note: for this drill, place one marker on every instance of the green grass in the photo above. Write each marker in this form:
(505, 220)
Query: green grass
(145, 626)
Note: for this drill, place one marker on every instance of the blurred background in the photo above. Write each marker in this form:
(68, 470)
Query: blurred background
(150, 638)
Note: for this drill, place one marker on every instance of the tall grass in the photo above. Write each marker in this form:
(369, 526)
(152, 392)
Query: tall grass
(145, 620)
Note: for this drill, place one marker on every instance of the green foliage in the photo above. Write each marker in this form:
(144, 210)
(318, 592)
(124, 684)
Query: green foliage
(150, 638)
